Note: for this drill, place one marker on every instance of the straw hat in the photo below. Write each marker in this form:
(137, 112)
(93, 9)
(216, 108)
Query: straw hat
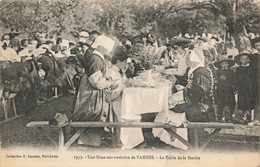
(222, 59)
(254, 41)
(178, 41)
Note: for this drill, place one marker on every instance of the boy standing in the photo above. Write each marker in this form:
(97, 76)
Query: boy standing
(225, 89)
(244, 80)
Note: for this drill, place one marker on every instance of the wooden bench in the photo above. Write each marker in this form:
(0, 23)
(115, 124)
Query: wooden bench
(82, 126)
(8, 101)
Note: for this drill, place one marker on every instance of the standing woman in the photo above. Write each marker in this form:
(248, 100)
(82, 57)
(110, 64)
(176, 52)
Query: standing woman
(90, 100)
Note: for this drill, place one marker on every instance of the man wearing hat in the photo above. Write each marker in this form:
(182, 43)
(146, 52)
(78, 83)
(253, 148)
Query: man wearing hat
(246, 85)
(182, 47)
(225, 88)
(167, 55)
(256, 44)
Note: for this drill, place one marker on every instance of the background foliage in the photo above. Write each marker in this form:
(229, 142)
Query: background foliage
(124, 18)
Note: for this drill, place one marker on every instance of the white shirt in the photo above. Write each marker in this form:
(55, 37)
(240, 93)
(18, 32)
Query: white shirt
(8, 54)
(182, 66)
(24, 52)
(232, 51)
(114, 74)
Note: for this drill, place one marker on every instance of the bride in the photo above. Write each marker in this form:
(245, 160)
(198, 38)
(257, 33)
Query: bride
(113, 97)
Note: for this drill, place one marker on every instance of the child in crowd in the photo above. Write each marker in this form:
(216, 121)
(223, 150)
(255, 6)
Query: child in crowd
(243, 82)
(225, 89)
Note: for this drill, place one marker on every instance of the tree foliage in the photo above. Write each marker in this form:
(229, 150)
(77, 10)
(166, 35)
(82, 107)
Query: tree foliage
(130, 17)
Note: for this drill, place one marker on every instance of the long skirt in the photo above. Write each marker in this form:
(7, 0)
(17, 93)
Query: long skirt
(90, 102)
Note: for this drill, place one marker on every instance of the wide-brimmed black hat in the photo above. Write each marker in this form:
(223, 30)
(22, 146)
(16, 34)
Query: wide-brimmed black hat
(254, 41)
(204, 39)
(237, 58)
(120, 52)
(60, 120)
(222, 59)
(179, 41)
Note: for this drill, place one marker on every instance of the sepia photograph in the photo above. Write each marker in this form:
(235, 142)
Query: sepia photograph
(122, 83)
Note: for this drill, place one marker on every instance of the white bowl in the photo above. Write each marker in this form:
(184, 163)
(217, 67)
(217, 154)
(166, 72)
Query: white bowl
(131, 118)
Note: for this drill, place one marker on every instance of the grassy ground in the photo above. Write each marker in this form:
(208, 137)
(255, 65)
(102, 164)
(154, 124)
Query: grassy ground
(14, 134)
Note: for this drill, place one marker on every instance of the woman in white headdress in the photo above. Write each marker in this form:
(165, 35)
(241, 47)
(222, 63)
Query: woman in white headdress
(90, 99)
(90, 104)
(196, 100)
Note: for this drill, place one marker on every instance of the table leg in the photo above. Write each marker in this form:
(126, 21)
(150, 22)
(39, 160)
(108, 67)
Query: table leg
(196, 138)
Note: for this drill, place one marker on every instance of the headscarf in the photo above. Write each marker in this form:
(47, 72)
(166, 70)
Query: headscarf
(194, 57)
(105, 42)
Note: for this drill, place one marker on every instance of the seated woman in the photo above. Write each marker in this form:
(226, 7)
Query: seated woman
(197, 104)
(113, 97)
(198, 92)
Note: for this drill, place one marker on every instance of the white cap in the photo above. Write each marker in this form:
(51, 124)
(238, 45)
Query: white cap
(65, 43)
(209, 35)
(84, 33)
(104, 41)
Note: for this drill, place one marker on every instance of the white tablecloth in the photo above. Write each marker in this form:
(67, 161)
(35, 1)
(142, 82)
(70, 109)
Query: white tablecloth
(136, 101)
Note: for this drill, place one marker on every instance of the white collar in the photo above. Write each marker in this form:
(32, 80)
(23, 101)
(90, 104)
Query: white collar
(99, 54)
(255, 51)
(115, 68)
(245, 65)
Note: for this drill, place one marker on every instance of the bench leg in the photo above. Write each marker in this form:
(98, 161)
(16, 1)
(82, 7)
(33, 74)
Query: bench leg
(61, 138)
(186, 143)
(46, 135)
(4, 108)
(74, 137)
(209, 138)
(14, 107)
(196, 138)
(55, 92)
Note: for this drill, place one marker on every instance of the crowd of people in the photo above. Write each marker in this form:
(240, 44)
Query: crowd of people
(216, 76)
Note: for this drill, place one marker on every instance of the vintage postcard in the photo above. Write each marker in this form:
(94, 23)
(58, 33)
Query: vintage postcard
(122, 83)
